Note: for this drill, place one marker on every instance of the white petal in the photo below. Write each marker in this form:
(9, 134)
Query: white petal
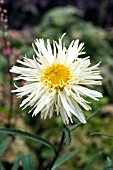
(88, 92)
(77, 111)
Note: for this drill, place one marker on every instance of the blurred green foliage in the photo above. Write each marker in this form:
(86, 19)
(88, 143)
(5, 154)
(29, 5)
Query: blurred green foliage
(98, 45)
(61, 20)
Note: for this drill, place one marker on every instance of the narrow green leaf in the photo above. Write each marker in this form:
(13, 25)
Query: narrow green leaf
(79, 123)
(28, 136)
(64, 158)
(16, 163)
(91, 163)
(28, 162)
(4, 143)
(108, 164)
(67, 135)
(75, 126)
(101, 133)
(93, 114)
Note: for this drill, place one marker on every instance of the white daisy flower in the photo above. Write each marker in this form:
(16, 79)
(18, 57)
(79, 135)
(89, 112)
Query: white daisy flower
(56, 80)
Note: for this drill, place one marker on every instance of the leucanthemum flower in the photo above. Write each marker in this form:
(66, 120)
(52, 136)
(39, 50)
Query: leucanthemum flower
(56, 80)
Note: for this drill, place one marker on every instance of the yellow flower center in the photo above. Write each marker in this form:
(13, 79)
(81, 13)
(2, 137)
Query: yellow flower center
(56, 77)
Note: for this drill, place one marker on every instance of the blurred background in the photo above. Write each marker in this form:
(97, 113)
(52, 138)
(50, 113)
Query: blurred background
(20, 23)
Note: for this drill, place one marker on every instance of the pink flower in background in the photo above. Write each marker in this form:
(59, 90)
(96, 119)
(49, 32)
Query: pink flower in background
(1, 1)
(7, 51)
(23, 82)
(15, 52)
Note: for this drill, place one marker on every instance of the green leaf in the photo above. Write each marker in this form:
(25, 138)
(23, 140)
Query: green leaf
(4, 143)
(101, 133)
(27, 161)
(64, 158)
(16, 163)
(67, 135)
(91, 163)
(79, 123)
(75, 126)
(28, 136)
(108, 164)
(93, 114)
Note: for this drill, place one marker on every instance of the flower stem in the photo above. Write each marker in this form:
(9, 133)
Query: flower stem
(58, 151)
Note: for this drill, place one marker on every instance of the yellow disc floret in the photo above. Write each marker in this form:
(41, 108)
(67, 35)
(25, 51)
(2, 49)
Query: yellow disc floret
(56, 76)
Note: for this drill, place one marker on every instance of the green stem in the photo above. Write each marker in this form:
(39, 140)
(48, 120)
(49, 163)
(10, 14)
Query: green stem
(58, 151)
